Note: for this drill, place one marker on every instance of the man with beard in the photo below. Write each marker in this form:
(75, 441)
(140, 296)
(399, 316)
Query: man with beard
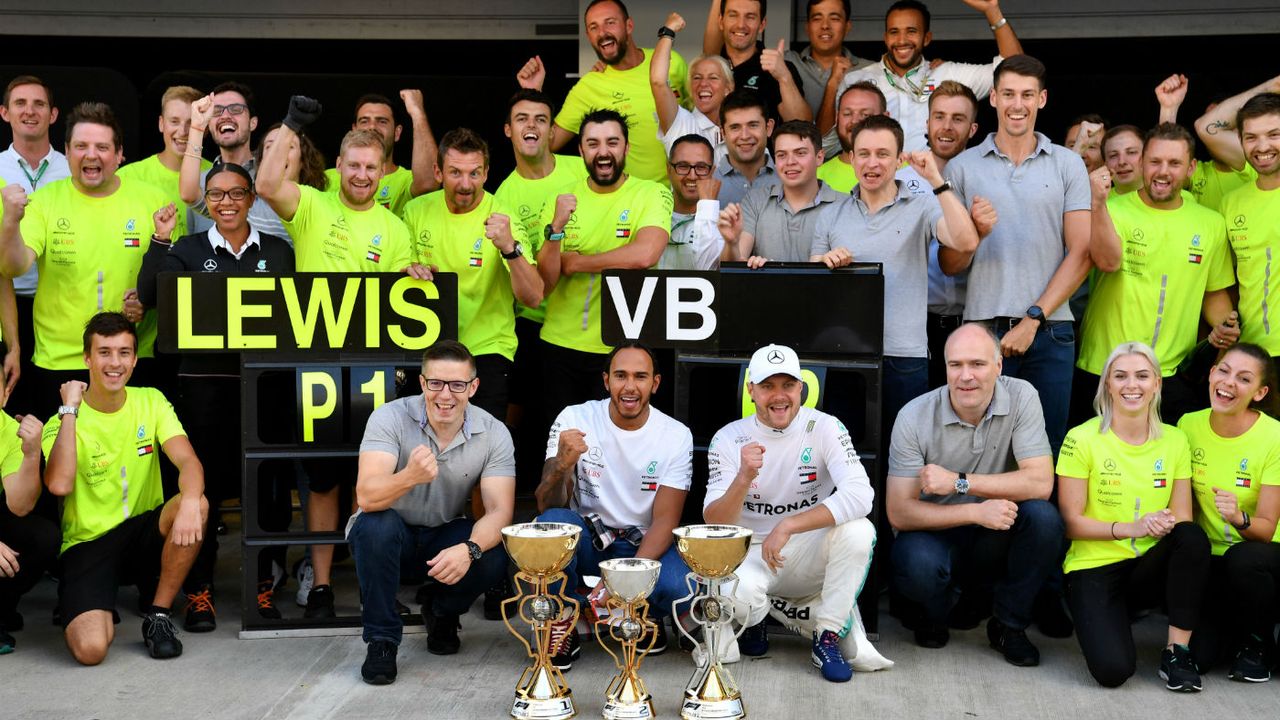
(1252, 213)
(695, 242)
(398, 185)
(858, 102)
(341, 232)
(619, 468)
(1163, 263)
(609, 220)
(462, 229)
(623, 87)
(1218, 130)
(908, 79)
(746, 128)
(734, 29)
(161, 169)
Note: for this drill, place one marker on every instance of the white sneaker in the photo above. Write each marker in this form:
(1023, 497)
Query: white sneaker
(858, 650)
(728, 650)
(306, 576)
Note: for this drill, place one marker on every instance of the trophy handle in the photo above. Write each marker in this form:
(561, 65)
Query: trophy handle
(609, 604)
(728, 604)
(691, 581)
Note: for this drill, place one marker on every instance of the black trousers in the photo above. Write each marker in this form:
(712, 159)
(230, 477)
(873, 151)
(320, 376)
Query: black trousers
(36, 540)
(1243, 599)
(494, 372)
(1172, 574)
(570, 377)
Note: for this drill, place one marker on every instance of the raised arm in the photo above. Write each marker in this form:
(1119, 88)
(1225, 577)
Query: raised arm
(22, 487)
(712, 39)
(549, 254)
(1106, 251)
(955, 229)
(556, 486)
(378, 485)
(424, 144)
(1007, 43)
(60, 466)
(1217, 127)
(189, 173)
(15, 256)
(792, 105)
(1169, 95)
(664, 100)
(526, 284)
(281, 193)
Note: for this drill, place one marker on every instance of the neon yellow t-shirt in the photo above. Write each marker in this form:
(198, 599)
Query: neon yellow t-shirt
(328, 236)
(456, 243)
(526, 197)
(1124, 483)
(1241, 465)
(394, 190)
(10, 447)
(1210, 185)
(117, 463)
(1171, 259)
(1253, 227)
(154, 173)
(629, 92)
(602, 222)
(88, 251)
(838, 175)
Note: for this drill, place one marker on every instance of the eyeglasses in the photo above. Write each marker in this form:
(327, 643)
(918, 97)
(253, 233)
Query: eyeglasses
(233, 108)
(455, 386)
(216, 196)
(699, 169)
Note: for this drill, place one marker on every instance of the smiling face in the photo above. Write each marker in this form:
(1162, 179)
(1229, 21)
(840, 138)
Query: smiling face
(796, 160)
(111, 360)
(692, 154)
(231, 126)
(229, 214)
(741, 23)
(29, 113)
(777, 400)
(1132, 383)
(827, 27)
(973, 366)
(463, 176)
(951, 125)
(1017, 100)
(1123, 156)
(709, 85)
(604, 150)
(380, 119)
(1166, 165)
(1235, 383)
(175, 124)
(631, 381)
(93, 157)
(529, 128)
(360, 170)
(444, 407)
(905, 39)
(745, 131)
(875, 158)
(1260, 139)
(609, 32)
(855, 106)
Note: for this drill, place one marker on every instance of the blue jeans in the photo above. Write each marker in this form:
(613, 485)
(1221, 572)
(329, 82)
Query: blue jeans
(385, 547)
(1047, 365)
(903, 380)
(1010, 565)
(586, 561)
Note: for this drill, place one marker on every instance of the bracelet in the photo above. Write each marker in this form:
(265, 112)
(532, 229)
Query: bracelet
(1003, 21)
(195, 154)
(1247, 522)
(161, 241)
(1113, 531)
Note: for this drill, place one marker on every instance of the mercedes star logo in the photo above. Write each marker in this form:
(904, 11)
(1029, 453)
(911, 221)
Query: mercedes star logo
(775, 357)
(64, 224)
(210, 265)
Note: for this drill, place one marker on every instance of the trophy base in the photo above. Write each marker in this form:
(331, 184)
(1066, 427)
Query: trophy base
(696, 709)
(628, 711)
(543, 709)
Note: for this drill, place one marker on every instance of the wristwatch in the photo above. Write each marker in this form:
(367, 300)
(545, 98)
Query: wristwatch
(551, 235)
(962, 485)
(1247, 521)
(516, 251)
(1035, 313)
(945, 186)
(473, 550)
(73, 410)
(665, 31)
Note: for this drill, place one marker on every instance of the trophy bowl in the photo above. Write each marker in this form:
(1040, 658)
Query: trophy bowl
(713, 551)
(630, 579)
(541, 548)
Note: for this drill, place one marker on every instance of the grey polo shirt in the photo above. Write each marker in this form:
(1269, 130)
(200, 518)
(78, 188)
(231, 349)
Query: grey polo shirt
(481, 449)
(928, 431)
(783, 234)
(1014, 263)
(897, 236)
(734, 185)
(815, 76)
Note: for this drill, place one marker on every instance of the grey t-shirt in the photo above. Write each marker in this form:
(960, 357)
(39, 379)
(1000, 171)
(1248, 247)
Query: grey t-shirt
(783, 234)
(1014, 263)
(928, 431)
(481, 449)
(897, 235)
(734, 185)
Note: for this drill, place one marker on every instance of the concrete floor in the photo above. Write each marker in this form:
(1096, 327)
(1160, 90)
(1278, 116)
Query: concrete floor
(222, 676)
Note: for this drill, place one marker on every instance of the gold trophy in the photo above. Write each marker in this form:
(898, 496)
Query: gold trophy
(629, 581)
(713, 552)
(540, 551)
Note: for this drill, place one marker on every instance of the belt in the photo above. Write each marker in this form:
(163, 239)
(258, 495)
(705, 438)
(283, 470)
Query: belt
(945, 322)
(1006, 324)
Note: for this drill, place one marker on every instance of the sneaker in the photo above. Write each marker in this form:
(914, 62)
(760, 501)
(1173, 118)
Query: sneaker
(659, 636)
(319, 602)
(931, 635)
(828, 658)
(379, 666)
(754, 640)
(1178, 670)
(7, 643)
(565, 645)
(1013, 644)
(160, 636)
(306, 576)
(267, 600)
(442, 633)
(1251, 663)
(1050, 615)
(200, 615)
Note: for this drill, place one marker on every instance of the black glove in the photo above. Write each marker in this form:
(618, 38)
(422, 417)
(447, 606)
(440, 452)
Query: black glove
(302, 112)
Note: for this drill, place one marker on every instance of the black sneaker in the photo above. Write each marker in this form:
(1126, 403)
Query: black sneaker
(160, 636)
(442, 633)
(7, 643)
(319, 603)
(1251, 663)
(1178, 670)
(1050, 615)
(755, 640)
(200, 615)
(379, 666)
(565, 645)
(267, 600)
(931, 635)
(1013, 644)
(659, 636)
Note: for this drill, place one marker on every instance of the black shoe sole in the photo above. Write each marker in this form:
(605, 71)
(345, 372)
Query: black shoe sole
(379, 679)
(200, 627)
(1180, 688)
(1016, 662)
(447, 650)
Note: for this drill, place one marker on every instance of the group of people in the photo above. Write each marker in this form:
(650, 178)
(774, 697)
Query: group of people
(750, 153)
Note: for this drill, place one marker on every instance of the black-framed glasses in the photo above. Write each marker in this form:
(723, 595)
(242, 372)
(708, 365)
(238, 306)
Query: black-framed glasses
(455, 386)
(216, 196)
(233, 108)
(699, 169)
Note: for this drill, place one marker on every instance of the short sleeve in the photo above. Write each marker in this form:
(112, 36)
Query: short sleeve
(1075, 459)
(564, 421)
(33, 224)
(954, 174)
(1075, 178)
(906, 452)
(300, 222)
(166, 420)
(824, 227)
(575, 106)
(1181, 451)
(656, 211)
(1029, 436)
(679, 474)
(978, 78)
(501, 461)
(722, 465)
(678, 78)
(401, 245)
(50, 434)
(380, 431)
(11, 447)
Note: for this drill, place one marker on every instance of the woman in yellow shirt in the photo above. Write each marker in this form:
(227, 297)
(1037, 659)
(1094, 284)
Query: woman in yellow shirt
(1124, 490)
(1235, 461)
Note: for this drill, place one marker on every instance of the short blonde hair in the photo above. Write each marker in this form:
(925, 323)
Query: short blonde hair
(185, 93)
(725, 69)
(1102, 400)
(362, 139)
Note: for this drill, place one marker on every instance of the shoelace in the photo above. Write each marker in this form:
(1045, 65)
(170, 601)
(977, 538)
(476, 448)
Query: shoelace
(384, 650)
(560, 636)
(266, 599)
(162, 628)
(829, 647)
(201, 602)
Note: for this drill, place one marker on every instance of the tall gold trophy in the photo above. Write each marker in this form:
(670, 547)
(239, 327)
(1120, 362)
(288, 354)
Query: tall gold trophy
(629, 582)
(540, 551)
(712, 552)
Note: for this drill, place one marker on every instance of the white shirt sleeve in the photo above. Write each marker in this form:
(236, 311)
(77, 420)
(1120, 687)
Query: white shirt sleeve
(679, 474)
(683, 124)
(853, 496)
(564, 421)
(707, 240)
(722, 464)
(977, 77)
